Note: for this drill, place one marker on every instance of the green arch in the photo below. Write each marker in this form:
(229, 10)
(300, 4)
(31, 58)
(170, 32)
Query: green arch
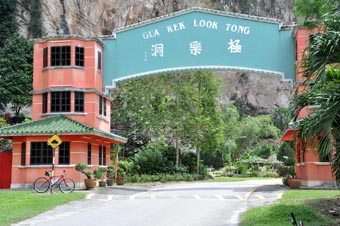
(199, 39)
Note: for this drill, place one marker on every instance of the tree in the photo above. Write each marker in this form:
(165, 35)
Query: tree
(324, 92)
(35, 28)
(203, 127)
(16, 59)
(8, 23)
(324, 125)
(176, 107)
(310, 12)
(280, 118)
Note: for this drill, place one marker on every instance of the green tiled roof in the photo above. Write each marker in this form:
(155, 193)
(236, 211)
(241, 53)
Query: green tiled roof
(59, 124)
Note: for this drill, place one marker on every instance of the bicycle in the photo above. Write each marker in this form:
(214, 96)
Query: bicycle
(294, 222)
(42, 184)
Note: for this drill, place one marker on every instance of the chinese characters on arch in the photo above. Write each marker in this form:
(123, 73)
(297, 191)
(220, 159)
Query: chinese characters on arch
(195, 48)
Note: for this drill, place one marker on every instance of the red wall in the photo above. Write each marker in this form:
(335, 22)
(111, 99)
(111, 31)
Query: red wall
(5, 169)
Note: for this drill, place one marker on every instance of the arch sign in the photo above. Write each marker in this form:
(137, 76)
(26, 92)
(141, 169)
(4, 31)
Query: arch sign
(198, 38)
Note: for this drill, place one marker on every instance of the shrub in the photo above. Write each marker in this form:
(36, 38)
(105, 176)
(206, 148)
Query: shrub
(149, 161)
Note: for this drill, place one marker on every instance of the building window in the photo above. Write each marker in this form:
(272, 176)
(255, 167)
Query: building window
(100, 155)
(99, 60)
(41, 153)
(64, 153)
(45, 57)
(60, 101)
(23, 153)
(89, 153)
(104, 156)
(102, 106)
(79, 101)
(80, 56)
(44, 102)
(60, 56)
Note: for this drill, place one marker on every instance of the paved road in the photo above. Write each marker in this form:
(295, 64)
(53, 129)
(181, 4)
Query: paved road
(182, 204)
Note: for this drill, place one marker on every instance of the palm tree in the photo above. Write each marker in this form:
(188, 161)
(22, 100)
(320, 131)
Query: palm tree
(321, 69)
(323, 49)
(323, 125)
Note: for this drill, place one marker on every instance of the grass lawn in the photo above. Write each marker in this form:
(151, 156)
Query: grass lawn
(296, 201)
(16, 206)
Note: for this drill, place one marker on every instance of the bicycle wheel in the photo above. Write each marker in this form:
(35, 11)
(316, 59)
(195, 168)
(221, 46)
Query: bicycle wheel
(41, 185)
(66, 185)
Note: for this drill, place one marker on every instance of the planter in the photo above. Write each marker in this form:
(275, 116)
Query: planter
(90, 183)
(102, 183)
(294, 182)
(110, 182)
(120, 180)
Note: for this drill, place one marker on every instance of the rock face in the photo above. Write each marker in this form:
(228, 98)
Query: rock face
(96, 17)
(260, 93)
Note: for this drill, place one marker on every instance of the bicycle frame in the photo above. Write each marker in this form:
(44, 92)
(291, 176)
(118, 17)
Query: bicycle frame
(42, 184)
(52, 179)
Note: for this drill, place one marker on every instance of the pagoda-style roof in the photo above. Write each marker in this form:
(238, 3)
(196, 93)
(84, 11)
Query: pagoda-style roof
(60, 125)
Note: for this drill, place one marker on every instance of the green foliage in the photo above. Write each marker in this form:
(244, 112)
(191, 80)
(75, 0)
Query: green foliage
(35, 26)
(110, 173)
(310, 12)
(149, 161)
(286, 150)
(124, 167)
(16, 59)
(100, 174)
(162, 177)
(280, 118)
(8, 22)
(180, 108)
(81, 168)
(323, 49)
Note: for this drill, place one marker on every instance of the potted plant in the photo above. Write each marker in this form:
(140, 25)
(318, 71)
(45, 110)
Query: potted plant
(121, 172)
(110, 173)
(120, 180)
(90, 183)
(290, 179)
(100, 174)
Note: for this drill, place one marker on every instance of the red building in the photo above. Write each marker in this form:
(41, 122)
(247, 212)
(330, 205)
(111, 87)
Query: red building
(313, 171)
(68, 101)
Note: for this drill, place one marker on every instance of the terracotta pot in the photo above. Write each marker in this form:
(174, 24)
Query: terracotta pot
(102, 183)
(90, 183)
(294, 182)
(120, 180)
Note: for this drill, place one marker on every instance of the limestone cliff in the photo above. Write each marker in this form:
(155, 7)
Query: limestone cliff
(260, 93)
(95, 17)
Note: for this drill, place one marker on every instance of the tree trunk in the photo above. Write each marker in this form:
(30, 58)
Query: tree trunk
(198, 160)
(177, 151)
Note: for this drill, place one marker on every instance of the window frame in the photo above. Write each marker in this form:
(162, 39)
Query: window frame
(99, 60)
(23, 153)
(79, 101)
(45, 57)
(60, 56)
(41, 153)
(60, 101)
(79, 58)
(89, 153)
(64, 153)
(44, 102)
